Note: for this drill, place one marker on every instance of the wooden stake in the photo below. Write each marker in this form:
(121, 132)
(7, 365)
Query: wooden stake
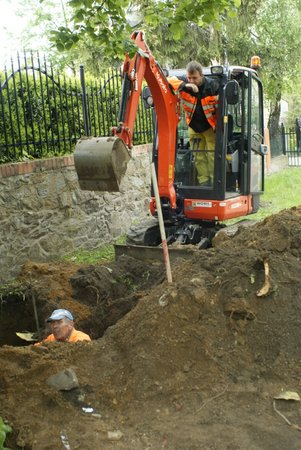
(161, 224)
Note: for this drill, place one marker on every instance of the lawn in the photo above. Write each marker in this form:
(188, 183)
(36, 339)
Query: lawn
(282, 190)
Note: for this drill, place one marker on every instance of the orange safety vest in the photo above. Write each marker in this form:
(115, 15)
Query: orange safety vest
(74, 337)
(189, 102)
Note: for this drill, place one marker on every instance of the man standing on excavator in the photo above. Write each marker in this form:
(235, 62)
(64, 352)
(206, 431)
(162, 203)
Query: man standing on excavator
(199, 96)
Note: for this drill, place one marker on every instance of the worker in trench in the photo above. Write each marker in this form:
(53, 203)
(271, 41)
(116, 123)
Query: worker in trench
(199, 96)
(62, 328)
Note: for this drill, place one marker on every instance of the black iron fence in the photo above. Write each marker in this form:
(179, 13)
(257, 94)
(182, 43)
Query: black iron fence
(43, 113)
(291, 143)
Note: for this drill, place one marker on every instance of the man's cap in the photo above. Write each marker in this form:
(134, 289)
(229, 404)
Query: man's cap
(59, 314)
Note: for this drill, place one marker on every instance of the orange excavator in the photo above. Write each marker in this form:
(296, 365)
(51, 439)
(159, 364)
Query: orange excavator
(192, 213)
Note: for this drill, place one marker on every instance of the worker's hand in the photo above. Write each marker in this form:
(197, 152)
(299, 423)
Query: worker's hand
(192, 86)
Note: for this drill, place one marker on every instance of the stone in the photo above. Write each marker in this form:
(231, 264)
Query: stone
(65, 380)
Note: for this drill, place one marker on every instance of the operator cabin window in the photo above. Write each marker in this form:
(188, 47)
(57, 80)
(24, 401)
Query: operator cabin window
(185, 171)
(256, 137)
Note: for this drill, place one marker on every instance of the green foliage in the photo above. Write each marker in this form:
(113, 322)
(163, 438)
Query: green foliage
(37, 111)
(104, 23)
(270, 29)
(294, 107)
(108, 23)
(43, 116)
(4, 430)
(12, 289)
(46, 13)
(278, 28)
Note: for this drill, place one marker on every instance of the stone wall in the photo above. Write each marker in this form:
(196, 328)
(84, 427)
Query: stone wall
(44, 214)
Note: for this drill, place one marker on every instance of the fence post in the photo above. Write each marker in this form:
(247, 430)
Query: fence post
(298, 134)
(283, 139)
(84, 100)
(268, 157)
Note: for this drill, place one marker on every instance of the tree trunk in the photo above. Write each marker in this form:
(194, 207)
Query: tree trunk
(274, 127)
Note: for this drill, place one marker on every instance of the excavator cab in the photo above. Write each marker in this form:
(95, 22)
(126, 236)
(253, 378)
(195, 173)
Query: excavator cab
(238, 179)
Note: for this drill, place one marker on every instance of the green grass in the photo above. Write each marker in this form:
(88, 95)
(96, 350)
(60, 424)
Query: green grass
(102, 254)
(282, 190)
(4, 430)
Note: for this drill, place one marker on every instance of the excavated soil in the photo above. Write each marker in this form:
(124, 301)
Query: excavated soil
(193, 364)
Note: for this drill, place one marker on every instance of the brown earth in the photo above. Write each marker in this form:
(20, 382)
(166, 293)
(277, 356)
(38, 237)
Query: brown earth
(194, 364)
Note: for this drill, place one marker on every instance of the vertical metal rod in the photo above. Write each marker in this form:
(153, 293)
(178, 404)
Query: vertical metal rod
(16, 106)
(30, 103)
(57, 135)
(67, 114)
(37, 112)
(4, 122)
(22, 90)
(108, 121)
(283, 139)
(35, 313)
(84, 100)
(97, 108)
(43, 103)
(93, 114)
(119, 91)
(73, 134)
(61, 108)
(78, 96)
(49, 101)
(114, 75)
(143, 122)
(138, 124)
(102, 112)
(12, 134)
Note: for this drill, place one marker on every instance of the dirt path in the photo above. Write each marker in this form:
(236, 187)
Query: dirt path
(186, 366)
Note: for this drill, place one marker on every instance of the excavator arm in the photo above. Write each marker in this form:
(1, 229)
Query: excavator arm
(101, 162)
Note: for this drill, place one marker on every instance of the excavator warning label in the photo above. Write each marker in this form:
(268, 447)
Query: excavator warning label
(202, 204)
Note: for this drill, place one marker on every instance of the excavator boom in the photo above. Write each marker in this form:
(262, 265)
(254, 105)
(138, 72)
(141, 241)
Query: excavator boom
(101, 162)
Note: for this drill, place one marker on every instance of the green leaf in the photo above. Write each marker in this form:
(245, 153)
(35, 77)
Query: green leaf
(60, 46)
(176, 31)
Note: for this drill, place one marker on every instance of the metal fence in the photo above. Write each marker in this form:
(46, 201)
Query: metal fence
(291, 143)
(43, 113)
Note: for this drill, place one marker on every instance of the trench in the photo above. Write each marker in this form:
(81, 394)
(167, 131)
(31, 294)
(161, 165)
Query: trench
(20, 314)
(15, 316)
(98, 296)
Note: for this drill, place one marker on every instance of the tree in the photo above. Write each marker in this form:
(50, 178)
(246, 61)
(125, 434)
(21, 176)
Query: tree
(294, 105)
(279, 45)
(271, 29)
(42, 17)
(108, 22)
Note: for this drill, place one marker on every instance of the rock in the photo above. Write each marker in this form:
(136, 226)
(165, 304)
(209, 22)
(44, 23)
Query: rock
(64, 380)
(115, 435)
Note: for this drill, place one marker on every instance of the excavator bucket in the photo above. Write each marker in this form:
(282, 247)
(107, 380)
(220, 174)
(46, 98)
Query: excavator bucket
(100, 163)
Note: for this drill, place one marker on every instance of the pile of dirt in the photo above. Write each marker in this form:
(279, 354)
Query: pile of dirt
(194, 364)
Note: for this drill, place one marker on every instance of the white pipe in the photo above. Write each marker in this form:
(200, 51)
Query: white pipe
(161, 224)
